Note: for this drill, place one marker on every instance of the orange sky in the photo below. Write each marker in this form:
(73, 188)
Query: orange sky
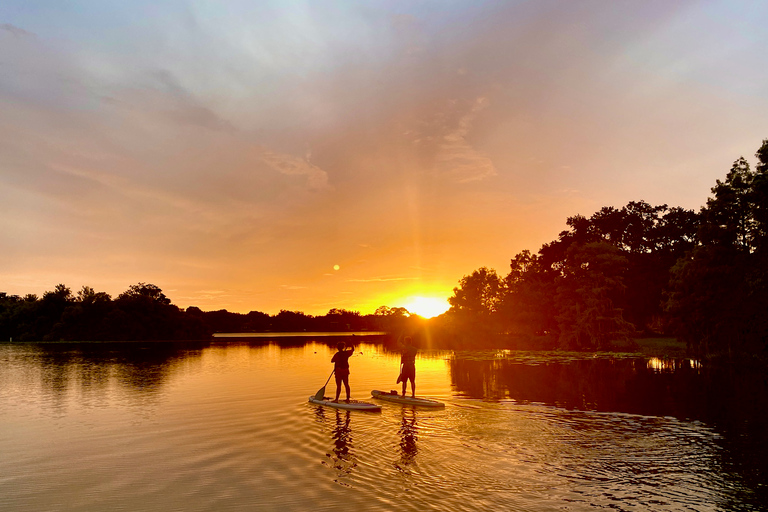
(234, 155)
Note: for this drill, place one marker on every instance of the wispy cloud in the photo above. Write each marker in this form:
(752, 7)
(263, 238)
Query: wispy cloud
(317, 179)
(446, 138)
(16, 31)
(456, 156)
(382, 279)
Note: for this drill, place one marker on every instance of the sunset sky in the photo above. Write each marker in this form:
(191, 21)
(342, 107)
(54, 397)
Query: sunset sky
(309, 155)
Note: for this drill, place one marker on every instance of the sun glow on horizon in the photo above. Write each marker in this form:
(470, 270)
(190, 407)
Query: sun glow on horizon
(426, 307)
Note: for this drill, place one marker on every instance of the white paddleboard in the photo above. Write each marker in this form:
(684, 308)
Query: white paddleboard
(392, 396)
(353, 405)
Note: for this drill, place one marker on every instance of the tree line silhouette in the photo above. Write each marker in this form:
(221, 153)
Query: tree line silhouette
(638, 270)
(143, 312)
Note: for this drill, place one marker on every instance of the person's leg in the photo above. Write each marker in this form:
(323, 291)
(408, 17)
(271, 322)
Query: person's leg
(405, 384)
(413, 386)
(346, 386)
(338, 387)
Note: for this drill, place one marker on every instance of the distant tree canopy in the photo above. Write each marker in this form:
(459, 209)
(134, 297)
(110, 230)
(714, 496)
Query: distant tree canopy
(641, 269)
(385, 319)
(143, 312)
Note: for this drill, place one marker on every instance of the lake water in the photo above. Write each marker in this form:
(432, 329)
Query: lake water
(227, 427)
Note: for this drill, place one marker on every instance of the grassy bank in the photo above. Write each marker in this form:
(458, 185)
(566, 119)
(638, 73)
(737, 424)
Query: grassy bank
(656, 347)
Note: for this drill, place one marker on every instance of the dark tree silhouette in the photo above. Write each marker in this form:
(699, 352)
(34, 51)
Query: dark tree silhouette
(719, 292)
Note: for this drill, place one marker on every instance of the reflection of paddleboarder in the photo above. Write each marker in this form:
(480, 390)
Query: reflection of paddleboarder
(341, 368)
(408, 365)
(342, 436)
(342, 458)
(408, 436)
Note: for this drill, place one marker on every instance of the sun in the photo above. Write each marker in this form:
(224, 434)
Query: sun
(427, 307)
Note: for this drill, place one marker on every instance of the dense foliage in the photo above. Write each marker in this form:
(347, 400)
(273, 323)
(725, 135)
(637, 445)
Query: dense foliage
(638, 270)
(143, 312)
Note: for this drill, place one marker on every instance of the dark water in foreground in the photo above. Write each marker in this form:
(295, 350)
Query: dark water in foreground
(217, 427)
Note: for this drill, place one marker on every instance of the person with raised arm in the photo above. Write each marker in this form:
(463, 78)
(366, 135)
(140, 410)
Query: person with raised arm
(341, 368)
(407, 364)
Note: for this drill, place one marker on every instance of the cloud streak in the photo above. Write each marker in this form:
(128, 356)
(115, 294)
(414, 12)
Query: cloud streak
(317, 179)
(382, 279)
(15, 31)
(456, 157)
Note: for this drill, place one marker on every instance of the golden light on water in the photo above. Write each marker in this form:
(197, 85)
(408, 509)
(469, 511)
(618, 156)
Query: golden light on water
(659, 364)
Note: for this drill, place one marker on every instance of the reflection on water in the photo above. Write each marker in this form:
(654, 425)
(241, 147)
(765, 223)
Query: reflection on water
(342, 441)
(142, 366)
(734, 401)
(157, 427)
(671, 365)
(343, 459)
(409, 435)
(630, 385)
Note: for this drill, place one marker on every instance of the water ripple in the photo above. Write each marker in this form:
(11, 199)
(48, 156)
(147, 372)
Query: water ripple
(231, 429)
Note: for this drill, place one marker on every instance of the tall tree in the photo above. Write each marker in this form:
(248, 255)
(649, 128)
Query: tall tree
(719, 293)
(729, 219)
(145, 291)
(651, 238)
(474, 311)
(528, 304)
(586, 294)
(478, 295)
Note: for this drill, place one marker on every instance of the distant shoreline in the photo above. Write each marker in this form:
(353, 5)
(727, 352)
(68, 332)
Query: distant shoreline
(303, 334)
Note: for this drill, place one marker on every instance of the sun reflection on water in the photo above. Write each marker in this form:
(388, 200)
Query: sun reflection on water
(670, 365)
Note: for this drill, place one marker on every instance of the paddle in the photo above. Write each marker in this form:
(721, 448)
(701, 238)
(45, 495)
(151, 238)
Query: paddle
(400, 346)
(321, 392)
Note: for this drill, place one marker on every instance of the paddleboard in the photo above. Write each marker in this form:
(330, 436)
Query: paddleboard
(392, 396)
(354, 405)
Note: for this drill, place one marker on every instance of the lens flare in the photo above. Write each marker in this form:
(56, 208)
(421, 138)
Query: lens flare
(427, 307)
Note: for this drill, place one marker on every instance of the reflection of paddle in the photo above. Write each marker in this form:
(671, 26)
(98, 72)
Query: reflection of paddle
(321, 392)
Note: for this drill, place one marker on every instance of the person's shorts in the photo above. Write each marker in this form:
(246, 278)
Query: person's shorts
(409, 372)
(341, 373)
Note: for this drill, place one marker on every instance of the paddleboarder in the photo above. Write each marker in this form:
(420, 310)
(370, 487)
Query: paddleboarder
(408, 362)
(341, 367)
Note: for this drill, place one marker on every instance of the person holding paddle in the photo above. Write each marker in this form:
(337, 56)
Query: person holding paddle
(341, 368)
(408, 365)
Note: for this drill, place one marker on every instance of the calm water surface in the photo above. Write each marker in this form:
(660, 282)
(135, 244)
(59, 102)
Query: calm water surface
(217, 427)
